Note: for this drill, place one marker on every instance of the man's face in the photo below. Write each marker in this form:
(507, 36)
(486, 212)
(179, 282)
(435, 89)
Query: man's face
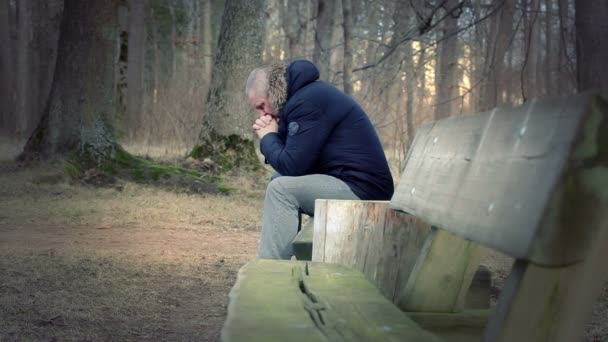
(261, 105)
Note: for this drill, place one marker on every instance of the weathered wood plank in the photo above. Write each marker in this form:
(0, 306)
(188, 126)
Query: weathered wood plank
(442, 275)
(510, 176)
(578, 207)
(388, 246)
(298, 301)
(466, 326)
(550, 303)
(302, 244)
(318, 238)
(364, 235)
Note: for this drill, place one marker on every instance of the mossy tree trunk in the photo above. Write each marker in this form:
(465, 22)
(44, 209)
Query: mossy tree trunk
(82, 101)
(226, 136)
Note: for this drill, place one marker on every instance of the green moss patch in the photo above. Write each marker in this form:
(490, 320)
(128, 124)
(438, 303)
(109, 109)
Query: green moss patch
(230, 153)
(87, 166)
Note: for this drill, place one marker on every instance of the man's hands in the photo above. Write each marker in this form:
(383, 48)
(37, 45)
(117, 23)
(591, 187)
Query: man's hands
(266, 124)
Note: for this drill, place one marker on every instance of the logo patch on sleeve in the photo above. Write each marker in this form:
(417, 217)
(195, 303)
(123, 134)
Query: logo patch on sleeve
(293, 128)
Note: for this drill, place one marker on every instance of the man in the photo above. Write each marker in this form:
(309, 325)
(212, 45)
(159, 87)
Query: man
(321, 144)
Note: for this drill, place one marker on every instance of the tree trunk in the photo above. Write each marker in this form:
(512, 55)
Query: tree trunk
(208, 41)
(550, 60)
(497, 74)
(165, 52)
(537, 72)
(136, 62)
(323, 34)
(421, 74)
(562, 70)
(26, 95)
(404, 20)
(348, 48)
(591, 44)
(530, 61)
(447, 66)
(410, 88)
(47, 37)
(294, 26)
(7, 85)
(150, 63)
(226, 135)
(82, 101)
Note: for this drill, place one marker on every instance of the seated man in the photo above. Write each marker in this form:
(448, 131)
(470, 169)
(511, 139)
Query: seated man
(321, 144)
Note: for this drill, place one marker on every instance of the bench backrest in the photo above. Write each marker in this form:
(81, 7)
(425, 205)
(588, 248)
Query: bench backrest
(529, 181)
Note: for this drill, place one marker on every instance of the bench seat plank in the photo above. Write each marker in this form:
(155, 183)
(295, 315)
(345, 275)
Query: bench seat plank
(302, 244)
(465, 326)
(300, 301)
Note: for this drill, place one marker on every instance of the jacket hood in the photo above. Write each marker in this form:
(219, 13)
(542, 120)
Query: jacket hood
(300, 73)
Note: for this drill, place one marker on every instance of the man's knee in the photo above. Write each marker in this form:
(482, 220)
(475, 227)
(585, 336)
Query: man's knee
(277, 187)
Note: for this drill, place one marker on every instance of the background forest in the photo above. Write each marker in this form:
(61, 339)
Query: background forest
(156, 87)
(406, 61)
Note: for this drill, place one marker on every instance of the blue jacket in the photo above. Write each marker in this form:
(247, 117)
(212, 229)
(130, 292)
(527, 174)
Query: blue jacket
(324, 131)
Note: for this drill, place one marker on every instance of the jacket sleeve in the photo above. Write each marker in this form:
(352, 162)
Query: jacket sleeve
(305, 137)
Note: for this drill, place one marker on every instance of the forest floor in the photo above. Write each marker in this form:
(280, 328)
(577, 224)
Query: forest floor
(130, 262)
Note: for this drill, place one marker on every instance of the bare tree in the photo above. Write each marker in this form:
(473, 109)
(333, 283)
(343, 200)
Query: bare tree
(564, 63)
(7, 97)
(82, 97)
(592, 44)
(550, 60)
(25, 91)
(208, 38)
(348, 46)
(294, 19)
(323, 35)
(447, 64)
(135, 68)
(503, 34)
(226, 136)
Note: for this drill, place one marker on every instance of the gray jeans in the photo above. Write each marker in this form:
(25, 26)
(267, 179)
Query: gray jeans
(286, 199)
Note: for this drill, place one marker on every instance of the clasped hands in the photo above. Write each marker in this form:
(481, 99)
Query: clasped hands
(266, 124)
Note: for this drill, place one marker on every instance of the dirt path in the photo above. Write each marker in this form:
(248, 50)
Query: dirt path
(180, 278)
(162, 243)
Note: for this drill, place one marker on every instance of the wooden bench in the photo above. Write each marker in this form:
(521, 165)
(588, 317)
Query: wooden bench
(302, 244)
(530, 182)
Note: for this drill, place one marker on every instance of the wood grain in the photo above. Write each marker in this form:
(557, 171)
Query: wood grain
(364, 235)
(442, 274)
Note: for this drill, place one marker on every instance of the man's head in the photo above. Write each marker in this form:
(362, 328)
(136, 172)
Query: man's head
(266, 89)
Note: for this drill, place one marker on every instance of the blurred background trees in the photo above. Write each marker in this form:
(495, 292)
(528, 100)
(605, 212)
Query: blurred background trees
(179, 69)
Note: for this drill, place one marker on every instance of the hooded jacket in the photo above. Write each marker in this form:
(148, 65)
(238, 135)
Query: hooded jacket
(324, 131)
